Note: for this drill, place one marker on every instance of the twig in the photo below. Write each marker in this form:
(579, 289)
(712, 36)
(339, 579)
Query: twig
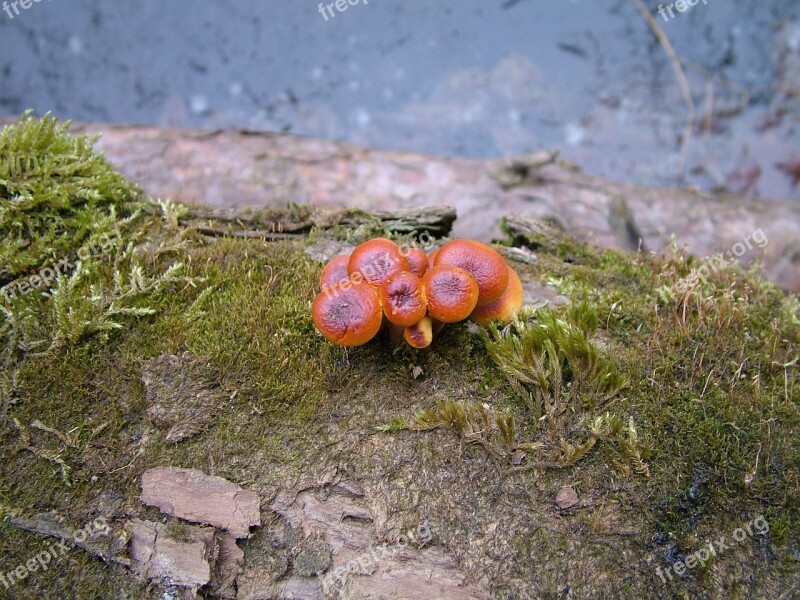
(66, 440)
(138, 454)
(703, 393)
(679, 74)
(726, 83)
(48, 525)
(26, 445)
(248, 234)
(708, 120)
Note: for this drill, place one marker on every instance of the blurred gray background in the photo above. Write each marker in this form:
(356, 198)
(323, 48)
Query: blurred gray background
(478, 78)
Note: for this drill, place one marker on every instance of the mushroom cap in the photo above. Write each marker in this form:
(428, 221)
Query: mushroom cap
(432, 257)
(419, 335)
(417, 261)
(335, 271)
(505, 307)
(348, 314)
(451, 293)
(376, 260)
(482, 262)
(402, 298)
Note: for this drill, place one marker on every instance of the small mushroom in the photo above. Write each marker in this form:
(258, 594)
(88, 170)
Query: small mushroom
(505, 307)
(335, 271)
(482, 262)
(348, 313)
(432, 257)
(402, 298)
(376, 260)
(417, 261)
(451, 293)
(419, 335)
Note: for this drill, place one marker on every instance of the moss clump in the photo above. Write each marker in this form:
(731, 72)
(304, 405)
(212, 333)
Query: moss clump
(56, 195)
(552, 363)
(563, 382)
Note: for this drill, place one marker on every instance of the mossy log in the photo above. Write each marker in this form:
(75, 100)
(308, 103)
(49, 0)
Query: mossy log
(638, 409)
(263, 170)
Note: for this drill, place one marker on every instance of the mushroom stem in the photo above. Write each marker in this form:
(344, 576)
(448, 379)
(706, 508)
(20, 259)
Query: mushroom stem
(396, 332)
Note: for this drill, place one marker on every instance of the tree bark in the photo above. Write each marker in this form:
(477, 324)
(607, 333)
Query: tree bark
(234, 169)
(437, 221)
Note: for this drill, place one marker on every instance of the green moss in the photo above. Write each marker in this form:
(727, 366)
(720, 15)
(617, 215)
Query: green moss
(714, 387)
(56, 195)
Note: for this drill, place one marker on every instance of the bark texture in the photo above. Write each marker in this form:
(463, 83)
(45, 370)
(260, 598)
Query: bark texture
(234, 169)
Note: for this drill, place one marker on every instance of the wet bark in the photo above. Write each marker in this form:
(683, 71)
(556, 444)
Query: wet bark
(235, 169)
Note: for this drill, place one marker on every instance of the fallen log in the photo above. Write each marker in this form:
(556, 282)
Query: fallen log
(236, 169)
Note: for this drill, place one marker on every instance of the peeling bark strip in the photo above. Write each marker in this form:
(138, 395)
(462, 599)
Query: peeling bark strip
(181, 398)
(437, 221)
(184, 563)
(50, 525)
(201, 557)
(192, 495)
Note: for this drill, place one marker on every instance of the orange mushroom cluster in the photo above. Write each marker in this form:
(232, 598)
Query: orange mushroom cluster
(417, 294)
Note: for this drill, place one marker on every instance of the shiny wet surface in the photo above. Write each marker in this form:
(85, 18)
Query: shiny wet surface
(455, 77)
